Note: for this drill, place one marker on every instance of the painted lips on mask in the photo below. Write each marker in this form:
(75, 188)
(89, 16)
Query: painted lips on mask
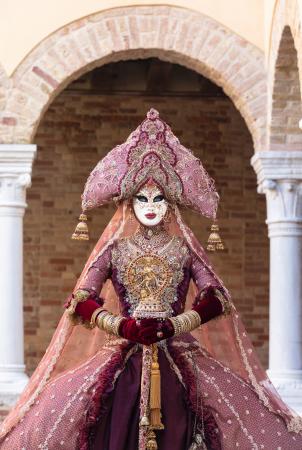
(150, 216)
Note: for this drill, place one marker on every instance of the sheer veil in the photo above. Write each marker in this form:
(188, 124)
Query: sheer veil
(225, 339)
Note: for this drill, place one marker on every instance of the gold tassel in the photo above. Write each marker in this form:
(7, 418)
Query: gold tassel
(151, 441)
(214, 241)
(81, 231)
(155, 399)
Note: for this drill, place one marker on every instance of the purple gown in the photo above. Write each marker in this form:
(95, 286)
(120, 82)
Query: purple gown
(95, 406)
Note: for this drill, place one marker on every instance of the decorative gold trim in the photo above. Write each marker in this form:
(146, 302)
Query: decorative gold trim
(94, 316)
(109, 322)
(185, 322)
(78, 297)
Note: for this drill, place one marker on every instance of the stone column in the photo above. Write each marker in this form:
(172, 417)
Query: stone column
(15, 177)
(279, 176)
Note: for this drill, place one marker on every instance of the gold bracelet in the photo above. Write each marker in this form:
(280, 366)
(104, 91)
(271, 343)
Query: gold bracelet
(94, 316)
(185, 322)
(109, 322)
(100, 319)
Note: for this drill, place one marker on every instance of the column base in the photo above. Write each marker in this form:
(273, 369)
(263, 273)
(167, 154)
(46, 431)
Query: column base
(13, 380)
(289, 385)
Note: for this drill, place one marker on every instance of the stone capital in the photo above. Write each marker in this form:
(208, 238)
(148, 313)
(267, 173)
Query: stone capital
(15, 174)
(279, 176)
(277, 165)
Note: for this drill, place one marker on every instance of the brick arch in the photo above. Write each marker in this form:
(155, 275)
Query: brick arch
(284, 78)
(169, 33)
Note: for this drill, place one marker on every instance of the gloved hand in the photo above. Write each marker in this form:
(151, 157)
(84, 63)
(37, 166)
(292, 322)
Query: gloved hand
(85, 309)
(145, 331)
(154, 330)
(209, 306)
(130, 329)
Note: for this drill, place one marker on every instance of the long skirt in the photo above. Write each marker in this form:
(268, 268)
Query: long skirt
(95, 406)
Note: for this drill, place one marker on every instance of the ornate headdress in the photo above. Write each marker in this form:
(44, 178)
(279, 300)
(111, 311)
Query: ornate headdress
(151, 151)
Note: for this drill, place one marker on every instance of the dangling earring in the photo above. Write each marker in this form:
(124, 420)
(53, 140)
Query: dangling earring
(81, 231)
(214, 241)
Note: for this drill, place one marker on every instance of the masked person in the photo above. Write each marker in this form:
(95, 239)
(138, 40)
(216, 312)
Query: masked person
(143, 364)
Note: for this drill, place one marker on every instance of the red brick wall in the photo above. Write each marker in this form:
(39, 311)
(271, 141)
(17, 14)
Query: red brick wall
(77, 130)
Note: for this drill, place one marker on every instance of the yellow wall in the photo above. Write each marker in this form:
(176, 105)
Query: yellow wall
(24, 24)
(269, 8)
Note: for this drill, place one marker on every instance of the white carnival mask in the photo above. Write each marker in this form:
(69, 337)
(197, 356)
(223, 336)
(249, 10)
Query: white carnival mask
(149, 205)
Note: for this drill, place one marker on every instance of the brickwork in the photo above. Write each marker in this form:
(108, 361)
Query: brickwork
(170, 33)
(284, 79)
(76, 131)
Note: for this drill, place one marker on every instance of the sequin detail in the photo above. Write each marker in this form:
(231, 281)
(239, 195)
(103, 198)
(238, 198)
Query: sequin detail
(173, 254)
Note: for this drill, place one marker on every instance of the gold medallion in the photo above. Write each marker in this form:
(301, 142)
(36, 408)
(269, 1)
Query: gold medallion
(146, 277)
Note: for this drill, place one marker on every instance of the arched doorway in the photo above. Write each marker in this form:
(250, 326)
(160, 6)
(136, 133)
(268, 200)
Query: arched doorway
(93, 114)
(174, 35)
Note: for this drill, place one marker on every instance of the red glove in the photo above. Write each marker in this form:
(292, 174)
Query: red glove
(145, 331)
(209, 306)
(129, 329)
(85, 309)
(154, 330)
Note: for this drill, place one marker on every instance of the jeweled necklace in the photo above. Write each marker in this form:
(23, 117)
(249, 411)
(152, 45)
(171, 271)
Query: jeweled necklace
(151, 238)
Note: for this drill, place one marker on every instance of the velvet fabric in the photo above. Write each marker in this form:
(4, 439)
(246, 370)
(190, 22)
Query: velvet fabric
(86, 309)
(122, 407)
(208, 307)
(81, 369)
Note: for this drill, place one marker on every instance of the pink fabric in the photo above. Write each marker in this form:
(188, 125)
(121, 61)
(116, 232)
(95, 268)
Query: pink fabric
(80, 355)
(152, 150)
(56, 419)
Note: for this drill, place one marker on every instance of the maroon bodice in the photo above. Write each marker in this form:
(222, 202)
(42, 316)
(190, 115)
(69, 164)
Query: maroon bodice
(149, 264)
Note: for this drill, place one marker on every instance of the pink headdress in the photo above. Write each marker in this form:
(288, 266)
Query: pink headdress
(152, 151)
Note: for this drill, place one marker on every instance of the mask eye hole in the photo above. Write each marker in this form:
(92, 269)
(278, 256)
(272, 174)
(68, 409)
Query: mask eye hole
(158, 198)
(141, 198)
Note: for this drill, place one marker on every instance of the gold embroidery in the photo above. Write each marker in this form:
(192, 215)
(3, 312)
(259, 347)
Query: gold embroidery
(152, 270)
(147, 277)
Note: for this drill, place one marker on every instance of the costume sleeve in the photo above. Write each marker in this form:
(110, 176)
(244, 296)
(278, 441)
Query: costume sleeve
(211, 300)
(98, 273)
(88, 293)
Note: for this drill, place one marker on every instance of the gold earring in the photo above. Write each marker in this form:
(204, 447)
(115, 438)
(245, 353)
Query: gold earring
(214, 241)
(81, 231)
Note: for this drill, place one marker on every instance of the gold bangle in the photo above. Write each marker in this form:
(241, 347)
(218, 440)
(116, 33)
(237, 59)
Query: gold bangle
(117, 324)
(185, 322)
(100, 319)
(94, 316)
(109, 322)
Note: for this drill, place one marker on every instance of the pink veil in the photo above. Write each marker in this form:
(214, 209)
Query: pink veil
(224, 339)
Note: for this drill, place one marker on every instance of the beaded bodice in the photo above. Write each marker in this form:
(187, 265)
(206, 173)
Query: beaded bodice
(150, 267)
